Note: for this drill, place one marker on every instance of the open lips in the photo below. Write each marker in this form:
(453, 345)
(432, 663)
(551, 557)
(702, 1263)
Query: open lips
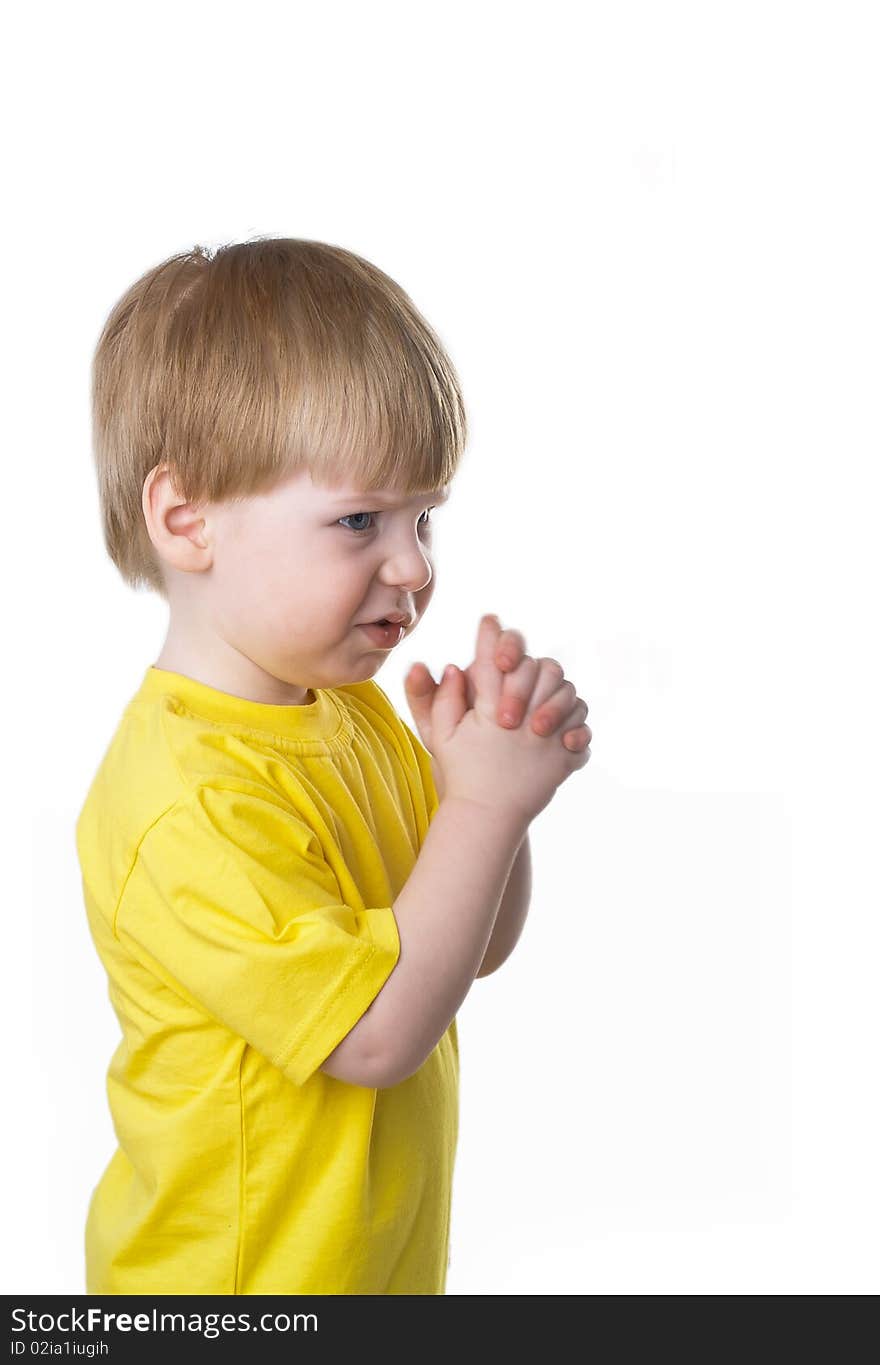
(386, 632)
(394, 618)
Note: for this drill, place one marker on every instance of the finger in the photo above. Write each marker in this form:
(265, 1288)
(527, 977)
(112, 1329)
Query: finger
(577, 741)
(420, 687)
(576, 735)
(579, 759)
(516, 692)
(449, 703)
(485, 675)
(563, 710)
(510, 649)
(550, 680)
(467, 675)
(419, 681)
(530, 685)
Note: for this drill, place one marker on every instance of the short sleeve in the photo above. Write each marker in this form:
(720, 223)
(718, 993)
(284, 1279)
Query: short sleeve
(231, 902)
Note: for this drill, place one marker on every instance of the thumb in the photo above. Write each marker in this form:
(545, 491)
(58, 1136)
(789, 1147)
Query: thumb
(450, 702)
(420, 688)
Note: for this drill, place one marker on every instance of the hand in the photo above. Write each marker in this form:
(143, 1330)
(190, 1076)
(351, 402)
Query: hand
(474, 758)
(538, 684)
(524, 682)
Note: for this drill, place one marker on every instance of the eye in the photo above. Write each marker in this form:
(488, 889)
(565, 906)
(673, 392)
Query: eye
(358, 530)
(362, 530)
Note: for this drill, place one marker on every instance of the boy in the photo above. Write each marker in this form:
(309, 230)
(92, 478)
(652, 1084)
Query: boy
(292, 893)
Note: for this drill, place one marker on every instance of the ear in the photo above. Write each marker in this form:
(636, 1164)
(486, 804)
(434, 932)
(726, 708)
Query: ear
(176, 527)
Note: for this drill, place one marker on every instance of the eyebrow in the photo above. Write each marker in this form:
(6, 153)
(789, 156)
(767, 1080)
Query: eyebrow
(438, 495)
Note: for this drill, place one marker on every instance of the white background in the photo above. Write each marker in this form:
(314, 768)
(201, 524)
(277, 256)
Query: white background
(648, 235)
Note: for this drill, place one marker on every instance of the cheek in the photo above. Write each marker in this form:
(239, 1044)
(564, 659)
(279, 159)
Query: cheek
(424, 595)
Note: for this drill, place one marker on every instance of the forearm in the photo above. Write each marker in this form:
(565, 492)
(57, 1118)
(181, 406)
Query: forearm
(512, 912)
(514, 907)
(445, 914)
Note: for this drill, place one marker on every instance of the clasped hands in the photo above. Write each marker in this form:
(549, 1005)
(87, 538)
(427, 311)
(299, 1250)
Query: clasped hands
(516, 684)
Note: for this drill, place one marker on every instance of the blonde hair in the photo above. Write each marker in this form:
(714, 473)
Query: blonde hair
(238, 368)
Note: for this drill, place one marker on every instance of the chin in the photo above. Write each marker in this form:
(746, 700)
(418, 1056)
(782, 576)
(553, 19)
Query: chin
(366, 671)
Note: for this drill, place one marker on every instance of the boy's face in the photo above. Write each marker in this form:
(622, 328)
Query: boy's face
(295, 573)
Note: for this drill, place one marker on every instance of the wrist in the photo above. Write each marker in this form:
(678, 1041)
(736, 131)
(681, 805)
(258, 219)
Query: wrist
(513, 821)
(439, 784)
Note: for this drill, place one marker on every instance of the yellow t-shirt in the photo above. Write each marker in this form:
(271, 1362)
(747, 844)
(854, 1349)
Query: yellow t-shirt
(239, 864)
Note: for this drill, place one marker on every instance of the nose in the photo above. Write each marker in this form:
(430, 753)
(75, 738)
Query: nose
(409, 568)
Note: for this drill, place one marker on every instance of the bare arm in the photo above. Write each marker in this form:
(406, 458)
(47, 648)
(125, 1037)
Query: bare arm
(512, 912)
(515, 900)
(445, 915)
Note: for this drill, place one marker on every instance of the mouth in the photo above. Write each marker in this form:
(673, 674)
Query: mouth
(386, 634)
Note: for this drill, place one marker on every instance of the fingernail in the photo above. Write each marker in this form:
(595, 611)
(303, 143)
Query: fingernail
(448, 672)
(508, 718)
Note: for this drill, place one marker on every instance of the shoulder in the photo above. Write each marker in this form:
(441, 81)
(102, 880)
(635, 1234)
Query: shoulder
(222, 838)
